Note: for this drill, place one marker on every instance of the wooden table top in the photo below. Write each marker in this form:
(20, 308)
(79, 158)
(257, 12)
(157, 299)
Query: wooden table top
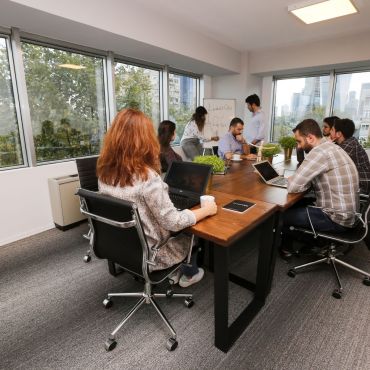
(227, 226)
(242, 181)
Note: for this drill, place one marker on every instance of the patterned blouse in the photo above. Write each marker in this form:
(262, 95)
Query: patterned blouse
(158, 216)
(334, 178)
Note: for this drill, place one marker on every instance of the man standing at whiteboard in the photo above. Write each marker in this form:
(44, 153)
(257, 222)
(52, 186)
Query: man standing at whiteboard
(255, 129)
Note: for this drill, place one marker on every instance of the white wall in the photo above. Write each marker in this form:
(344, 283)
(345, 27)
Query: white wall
(24, 199)
(238, 87)
(340, 52)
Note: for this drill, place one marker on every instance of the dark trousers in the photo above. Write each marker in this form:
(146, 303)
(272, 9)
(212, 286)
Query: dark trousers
(298, 217)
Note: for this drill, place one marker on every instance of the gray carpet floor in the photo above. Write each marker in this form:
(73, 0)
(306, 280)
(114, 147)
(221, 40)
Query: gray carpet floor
(52, 317)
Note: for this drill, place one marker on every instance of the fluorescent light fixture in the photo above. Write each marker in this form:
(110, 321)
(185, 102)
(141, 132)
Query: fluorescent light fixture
(320, 10)
(71, 66)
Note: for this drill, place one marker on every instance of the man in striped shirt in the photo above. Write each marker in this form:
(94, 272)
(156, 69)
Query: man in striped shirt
(334, 179)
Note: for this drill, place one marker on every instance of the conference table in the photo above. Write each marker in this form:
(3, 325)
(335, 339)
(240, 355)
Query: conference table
(227, 228)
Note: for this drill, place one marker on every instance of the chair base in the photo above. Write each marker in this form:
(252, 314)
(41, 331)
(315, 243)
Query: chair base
(149, 298)
(332, 260)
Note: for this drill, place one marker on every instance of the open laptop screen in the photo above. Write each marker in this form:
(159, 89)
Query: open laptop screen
(266, 170)
(188, 176)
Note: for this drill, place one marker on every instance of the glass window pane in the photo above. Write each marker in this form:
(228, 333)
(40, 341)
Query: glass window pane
(138, 88)
(297, 99)
(182, 101)
(10, 143)
(66, 98)
(352, 100)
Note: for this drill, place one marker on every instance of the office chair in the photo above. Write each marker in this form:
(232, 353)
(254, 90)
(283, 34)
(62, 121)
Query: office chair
(331, 250)
(118, 236)
(86, 168)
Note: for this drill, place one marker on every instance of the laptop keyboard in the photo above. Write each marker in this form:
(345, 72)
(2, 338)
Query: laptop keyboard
(281, 181)
(181, 202)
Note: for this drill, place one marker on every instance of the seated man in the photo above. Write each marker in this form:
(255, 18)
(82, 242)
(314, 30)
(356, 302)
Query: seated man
(233, 141)
(327, 125)
(334, 179)
(342, 134)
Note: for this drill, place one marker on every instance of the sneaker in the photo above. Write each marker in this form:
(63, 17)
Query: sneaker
(175, 277)
(186, 281)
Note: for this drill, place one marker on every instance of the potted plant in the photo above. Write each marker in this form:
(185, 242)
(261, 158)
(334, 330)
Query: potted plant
(218, 166)
(287, 143)
(269, 150)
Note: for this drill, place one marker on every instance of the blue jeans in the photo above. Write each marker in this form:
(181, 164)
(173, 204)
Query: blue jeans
(298, 217)
(190, 271)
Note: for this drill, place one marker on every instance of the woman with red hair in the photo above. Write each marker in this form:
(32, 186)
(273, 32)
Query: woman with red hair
(129, 168)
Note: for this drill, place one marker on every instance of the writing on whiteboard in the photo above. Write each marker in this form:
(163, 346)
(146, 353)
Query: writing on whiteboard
(220, 113)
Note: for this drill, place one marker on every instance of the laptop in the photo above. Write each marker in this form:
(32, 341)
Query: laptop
(187, 181)
(269, 174)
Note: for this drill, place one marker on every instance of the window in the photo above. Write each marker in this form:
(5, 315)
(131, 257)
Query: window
(138, 87)
(297, 99)
(10, 143)
(66, 98)
(182, 100)
(352, 100)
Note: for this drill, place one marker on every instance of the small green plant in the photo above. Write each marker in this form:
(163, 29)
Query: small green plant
(270, 149)
(287, 142)
(216, 162)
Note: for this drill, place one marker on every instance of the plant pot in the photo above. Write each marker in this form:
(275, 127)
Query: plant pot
(288, 153)
(270, 158)
(209, 185)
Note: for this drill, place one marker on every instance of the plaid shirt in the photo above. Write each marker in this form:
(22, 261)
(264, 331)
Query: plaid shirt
(358, 155)
(334, 178)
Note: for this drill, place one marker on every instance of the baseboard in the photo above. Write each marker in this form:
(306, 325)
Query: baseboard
(26, 234)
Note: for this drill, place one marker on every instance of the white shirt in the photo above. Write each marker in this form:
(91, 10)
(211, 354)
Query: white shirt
(255, 128)
(191, 131)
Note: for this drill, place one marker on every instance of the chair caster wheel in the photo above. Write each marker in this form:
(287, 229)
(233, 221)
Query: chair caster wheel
(87, 258)
(110, 345)
(172, 344)
(337, 294)
(366, 281)
(107, 303)
(169, 292)
(189, 302)
(291, 273)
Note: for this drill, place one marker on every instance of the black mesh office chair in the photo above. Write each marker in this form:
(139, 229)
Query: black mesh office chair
(332, 249)
(118, 236)
(86, 168)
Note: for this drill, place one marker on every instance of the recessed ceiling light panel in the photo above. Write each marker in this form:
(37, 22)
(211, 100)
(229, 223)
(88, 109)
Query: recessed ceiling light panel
(320, 10)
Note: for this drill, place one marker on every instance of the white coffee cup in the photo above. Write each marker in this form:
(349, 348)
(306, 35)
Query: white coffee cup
(204, 199)
(236, 157)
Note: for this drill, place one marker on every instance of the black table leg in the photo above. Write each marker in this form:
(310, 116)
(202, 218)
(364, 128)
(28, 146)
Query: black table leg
(225, 336)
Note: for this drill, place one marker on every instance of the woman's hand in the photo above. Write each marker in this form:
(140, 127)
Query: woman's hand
(211, 208)
(215, 138)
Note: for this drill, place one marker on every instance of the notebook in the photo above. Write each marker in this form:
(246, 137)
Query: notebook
(269, 174)
(187, 181)
(238, 205)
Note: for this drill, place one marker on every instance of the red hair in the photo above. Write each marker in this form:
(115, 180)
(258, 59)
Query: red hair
(130, 149)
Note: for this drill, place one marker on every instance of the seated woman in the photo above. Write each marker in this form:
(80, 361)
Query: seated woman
(128, 168)
(166, 134)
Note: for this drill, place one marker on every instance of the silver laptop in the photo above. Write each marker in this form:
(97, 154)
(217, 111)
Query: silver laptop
(269, 174)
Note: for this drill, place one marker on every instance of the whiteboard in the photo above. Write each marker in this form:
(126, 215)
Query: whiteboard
(220, 113)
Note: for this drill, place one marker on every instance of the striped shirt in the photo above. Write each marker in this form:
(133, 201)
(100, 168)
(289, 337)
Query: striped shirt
(334, 178)
(358, 154)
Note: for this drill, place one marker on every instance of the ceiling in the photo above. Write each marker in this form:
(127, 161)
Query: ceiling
(252, 25)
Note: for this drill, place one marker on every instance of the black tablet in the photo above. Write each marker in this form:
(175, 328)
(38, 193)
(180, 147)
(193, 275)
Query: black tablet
(239, 206)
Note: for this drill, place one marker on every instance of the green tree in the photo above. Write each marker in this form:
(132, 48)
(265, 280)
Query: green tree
(134, 89)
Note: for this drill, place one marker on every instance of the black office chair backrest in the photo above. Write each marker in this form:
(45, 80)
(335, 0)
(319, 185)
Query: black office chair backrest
(86, 168)
(117, 232)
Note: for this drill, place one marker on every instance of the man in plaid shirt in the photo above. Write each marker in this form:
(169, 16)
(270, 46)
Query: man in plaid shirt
(342, 133)
(333, 176)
